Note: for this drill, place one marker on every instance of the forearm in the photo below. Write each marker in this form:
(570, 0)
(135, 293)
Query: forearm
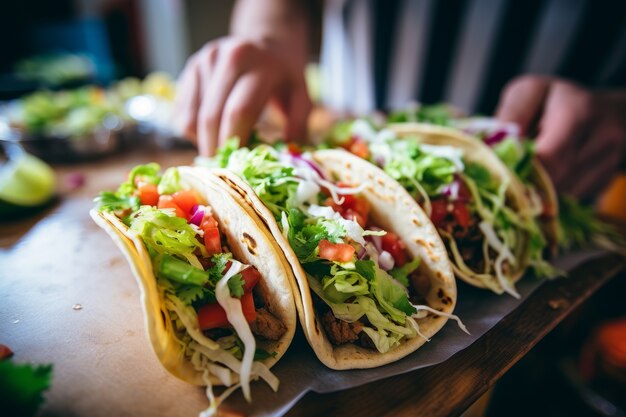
(285, 23)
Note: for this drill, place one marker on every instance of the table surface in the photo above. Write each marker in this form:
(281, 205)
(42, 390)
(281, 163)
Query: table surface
(68, 298)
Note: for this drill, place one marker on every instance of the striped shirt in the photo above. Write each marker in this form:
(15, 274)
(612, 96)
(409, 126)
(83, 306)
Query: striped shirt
(384, 54)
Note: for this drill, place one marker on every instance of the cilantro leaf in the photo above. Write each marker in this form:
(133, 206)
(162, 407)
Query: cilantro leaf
(319, 268)
(192, 294)
(235, 285)
(219, 261)
(366, 269)
(22, 387)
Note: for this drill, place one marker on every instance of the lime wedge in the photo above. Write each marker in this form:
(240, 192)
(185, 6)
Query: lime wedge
(26, 180)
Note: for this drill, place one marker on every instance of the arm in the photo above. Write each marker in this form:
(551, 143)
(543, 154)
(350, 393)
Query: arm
(225, 86)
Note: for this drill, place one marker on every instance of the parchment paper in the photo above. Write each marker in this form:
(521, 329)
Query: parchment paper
(299, 370)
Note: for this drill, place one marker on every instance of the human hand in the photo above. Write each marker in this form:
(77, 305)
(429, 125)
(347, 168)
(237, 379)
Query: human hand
(580, 134)
(224, 87)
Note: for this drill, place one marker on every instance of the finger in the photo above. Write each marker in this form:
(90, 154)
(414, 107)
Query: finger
(244, 105)
(596, 162)
(187, 100)
(232, 60)
(297, 114)
(521, 101)
(564, 123)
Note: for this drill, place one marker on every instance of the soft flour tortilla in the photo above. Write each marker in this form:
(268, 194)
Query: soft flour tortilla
(393, 209)
(478, 152)
(249, 243)
(540, 178)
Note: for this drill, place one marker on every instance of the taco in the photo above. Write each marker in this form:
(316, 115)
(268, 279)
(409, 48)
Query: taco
(215, 288)
(515, 151)
(373, 279)
(473, 200)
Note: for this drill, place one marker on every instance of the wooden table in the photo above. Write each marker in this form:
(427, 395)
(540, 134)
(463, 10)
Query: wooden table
(68, 297)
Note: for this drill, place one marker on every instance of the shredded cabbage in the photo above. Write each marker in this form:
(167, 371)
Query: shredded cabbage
(234, 313)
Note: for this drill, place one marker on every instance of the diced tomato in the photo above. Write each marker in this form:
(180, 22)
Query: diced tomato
(185, 199)
(359, 148)
(148, 194)
(438, 211)
(208, 222)
(361, 206)
(251, 277)
(395, 247)
(353, 207)
(5, 352)
(461, 214)
(293, 148)
(167, 202)
(348, 200)
(339, 252)
(213, 316)
(212, 241)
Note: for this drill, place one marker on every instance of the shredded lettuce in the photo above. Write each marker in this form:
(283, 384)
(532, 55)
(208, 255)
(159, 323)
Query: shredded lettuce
(149, 173)
(165, 233)
(170, 182)
(270, 179)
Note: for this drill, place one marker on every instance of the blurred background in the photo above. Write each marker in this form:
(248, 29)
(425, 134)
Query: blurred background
(67, 43)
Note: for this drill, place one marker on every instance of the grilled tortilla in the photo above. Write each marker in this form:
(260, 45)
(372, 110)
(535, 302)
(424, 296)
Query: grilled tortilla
(477, 152)
(392, 209)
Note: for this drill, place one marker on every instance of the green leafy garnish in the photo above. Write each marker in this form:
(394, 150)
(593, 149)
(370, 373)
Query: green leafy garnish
(235, 285)
(22, 387)
(165, 233)
(170, 182)
(579, 227)
(401, 274)
(108, 201)
(439, 114)
(304, 236)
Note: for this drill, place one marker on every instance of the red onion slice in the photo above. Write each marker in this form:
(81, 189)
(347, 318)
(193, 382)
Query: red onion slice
(303, 161)
(386, 261)
(197, 214)
(495, 138)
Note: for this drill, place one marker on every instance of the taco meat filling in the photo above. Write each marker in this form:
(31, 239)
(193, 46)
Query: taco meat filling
(454, 217)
